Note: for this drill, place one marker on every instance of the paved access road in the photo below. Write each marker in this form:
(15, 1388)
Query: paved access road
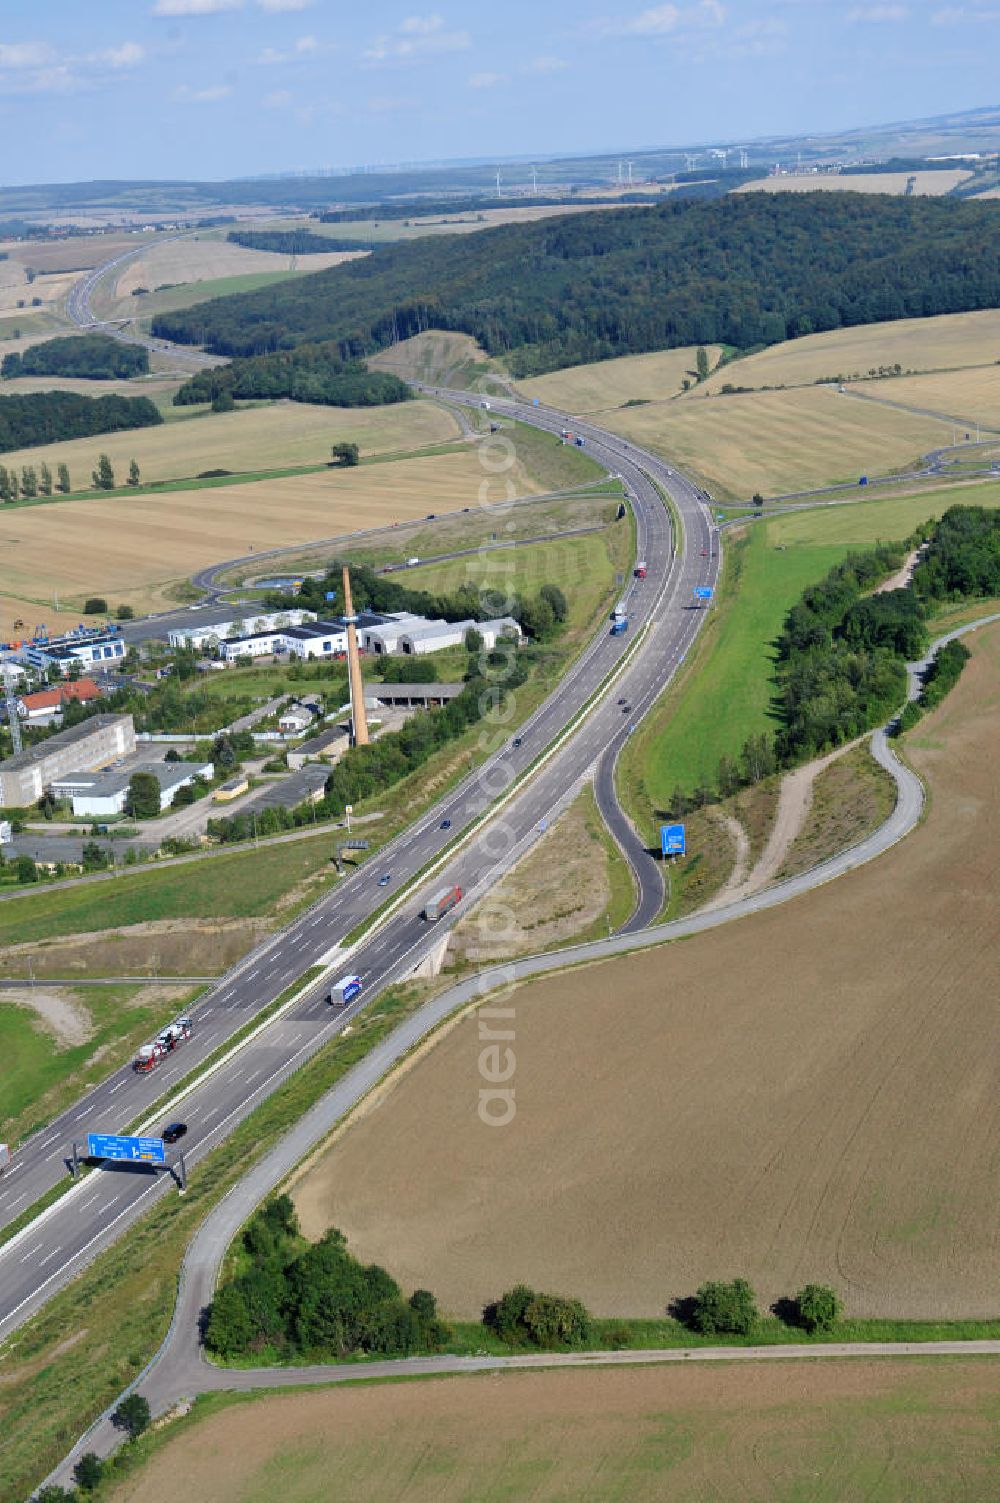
(93, 1214)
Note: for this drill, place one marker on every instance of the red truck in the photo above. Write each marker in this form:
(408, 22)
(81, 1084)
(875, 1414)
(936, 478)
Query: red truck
(441, 903)
(640, 569)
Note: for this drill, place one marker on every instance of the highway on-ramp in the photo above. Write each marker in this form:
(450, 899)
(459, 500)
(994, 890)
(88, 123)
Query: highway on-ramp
(556, 750)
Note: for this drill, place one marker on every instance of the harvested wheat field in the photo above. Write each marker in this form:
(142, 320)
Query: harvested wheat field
(192, 259)
(925, 184)
(946, 342)
(969, 396)
(808, 1094)
(777, 1433)
(279, 435)
(610, 383)
(781, 441)
(136, 548)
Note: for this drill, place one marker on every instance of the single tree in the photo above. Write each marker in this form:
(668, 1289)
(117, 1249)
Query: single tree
(473, 641)
(143, 798)
(95, 605)
(15, 486)
(5, 490)
(133, 472)
(45, 480)
(223, 402)
(88, 1471)
(728, 1309)
(345, 454)
(104, 476)
(701, 361)
(424, 1303)
(29, 481)
(818, 1307)
(93, 858)
(63, 480)
(125, 613)
(25, 869)
(758, 499)
(132, 1415)
(556, 599)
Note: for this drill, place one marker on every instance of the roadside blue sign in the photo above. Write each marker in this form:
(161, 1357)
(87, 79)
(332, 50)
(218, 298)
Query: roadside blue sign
(102, 1145)
(703, 592)
(331, 595)
(673, 840)
(534, 401)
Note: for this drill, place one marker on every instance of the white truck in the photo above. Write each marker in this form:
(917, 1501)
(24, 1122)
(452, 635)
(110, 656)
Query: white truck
(345, 990)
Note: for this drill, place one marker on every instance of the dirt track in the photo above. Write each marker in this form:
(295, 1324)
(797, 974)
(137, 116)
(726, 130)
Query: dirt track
(804, 1095)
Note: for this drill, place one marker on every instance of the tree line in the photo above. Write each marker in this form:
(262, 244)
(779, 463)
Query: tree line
(291, 1299)
(744, 270)
(96, 357)
(311, 373)
(48, 417)
(291, 242)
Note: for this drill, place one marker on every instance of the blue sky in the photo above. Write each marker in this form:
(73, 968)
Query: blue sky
(218, 88)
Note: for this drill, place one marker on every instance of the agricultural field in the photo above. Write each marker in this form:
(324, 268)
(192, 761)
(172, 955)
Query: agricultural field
(381, 231)
(435, 357)
(613, 383)
(246, 441)
(925, 184)
(56, 1040)
(137, 549)
(851, 1134)
(943, 343)
(742, 1433)
(970, 396)
(779, 442)
(859, 524)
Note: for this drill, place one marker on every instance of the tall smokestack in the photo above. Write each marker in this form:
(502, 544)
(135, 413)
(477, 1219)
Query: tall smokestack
(359, 720)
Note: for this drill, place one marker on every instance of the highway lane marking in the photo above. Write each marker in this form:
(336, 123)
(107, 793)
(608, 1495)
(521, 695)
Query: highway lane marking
(117, 1087)
(32, 1252)
(17, 1202)
(48, 1257)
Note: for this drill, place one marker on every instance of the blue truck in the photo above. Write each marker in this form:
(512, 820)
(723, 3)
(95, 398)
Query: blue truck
(620, 626)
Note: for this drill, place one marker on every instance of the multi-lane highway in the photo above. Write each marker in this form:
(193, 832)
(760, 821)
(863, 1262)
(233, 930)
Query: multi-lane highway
(559, 746)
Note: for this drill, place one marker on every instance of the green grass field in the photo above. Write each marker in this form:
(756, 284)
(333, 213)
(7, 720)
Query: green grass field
(245, 884)
(40, 1076)
(726, 696)
(863, 523)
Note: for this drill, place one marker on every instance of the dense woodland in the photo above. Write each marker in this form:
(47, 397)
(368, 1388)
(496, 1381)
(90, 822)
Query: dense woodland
(746, 271)
(962, 557)
(311, 373)
(48, 417)
(96, 357)
(291, 242)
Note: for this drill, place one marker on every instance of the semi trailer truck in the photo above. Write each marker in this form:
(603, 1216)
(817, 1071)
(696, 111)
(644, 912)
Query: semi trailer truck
(148, 1056)
(441, 903)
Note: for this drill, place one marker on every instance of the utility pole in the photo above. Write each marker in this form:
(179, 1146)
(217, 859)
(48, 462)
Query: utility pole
(10, 700)
(359, 720)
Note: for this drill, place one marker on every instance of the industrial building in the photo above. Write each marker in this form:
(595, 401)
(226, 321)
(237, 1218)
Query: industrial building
(85, 646)
(101, 795)
(46, 705)
(93, 744)
(213, 631)
(433, 636)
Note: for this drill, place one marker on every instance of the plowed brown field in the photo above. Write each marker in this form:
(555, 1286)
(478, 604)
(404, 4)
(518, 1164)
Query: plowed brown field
(879, 1431)
(806, 1094)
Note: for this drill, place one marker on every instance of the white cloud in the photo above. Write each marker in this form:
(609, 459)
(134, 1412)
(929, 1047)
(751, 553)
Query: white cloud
(300, 51)
(24, 54)
(416, 38)
(485, 80)
(874, 14)
(962, 15)
(545, 65)
(194, 7)
(281, 99)
(277, 7)
(208, 95)
(128, 55)
(662, 20)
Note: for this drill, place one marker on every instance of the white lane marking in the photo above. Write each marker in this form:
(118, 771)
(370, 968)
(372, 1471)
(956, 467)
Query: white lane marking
(48, 1257)
(117, 1087)
(31, 1254)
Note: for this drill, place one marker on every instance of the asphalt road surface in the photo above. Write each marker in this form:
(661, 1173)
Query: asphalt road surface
(97, 1210)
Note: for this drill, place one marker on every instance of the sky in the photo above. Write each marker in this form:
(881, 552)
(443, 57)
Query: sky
(227, 88)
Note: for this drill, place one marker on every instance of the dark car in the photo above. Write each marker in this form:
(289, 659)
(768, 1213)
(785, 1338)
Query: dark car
(431, 515)
(626, 709)
(517, 741)
(446, 824)
(385, 879)
(622, 701)
(174, 1132)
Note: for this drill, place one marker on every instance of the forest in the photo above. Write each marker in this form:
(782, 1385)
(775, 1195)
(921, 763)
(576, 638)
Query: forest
(97, 357)
(962, 557)
(744, 270)
(291, 242)
(48, 417)
(311, 373)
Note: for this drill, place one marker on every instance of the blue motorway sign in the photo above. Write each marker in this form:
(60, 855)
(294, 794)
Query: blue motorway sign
(673, 840)
(104, 1145)
(331, 595)
(703, 592)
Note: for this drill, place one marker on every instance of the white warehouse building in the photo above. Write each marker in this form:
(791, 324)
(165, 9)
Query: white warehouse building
(212, 633)
(433, 636)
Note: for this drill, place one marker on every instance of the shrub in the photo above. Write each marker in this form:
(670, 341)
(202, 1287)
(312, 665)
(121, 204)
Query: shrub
(544, 1320)
(132, 1415)
(95, 605)
(88, 1471)
(818, 1307)
(724, 1309)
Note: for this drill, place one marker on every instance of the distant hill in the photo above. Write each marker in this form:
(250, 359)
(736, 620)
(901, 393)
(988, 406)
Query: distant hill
(740, 271)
